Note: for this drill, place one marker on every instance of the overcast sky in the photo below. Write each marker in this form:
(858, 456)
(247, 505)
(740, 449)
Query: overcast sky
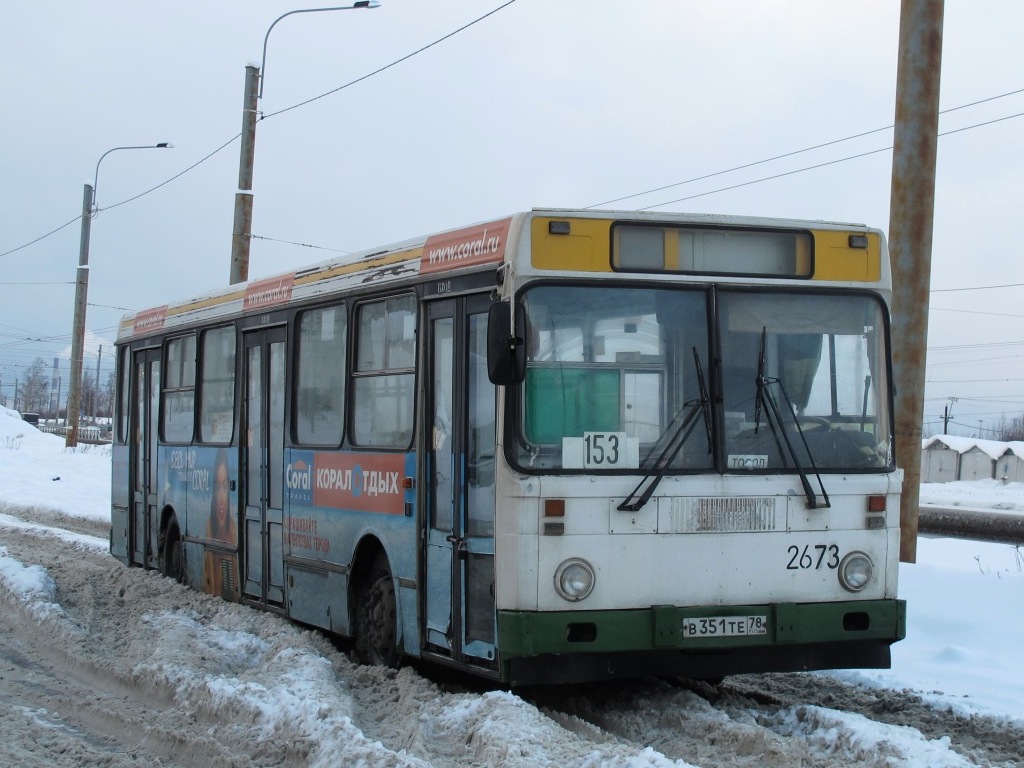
(541, 104)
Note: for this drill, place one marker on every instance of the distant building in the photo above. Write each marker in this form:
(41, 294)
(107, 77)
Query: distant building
(939, 462)
(1010, 466)
(945, 458)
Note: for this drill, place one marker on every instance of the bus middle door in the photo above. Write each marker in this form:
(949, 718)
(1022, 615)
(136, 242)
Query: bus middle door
(262, 466)
(460, 437)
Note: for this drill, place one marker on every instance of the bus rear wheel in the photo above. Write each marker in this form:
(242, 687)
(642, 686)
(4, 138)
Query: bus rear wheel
(376, 617)
(172, 562)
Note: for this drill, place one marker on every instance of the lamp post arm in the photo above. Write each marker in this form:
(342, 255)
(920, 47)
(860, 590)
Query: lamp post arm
(96, 176)
(354, 6)
(81, 297)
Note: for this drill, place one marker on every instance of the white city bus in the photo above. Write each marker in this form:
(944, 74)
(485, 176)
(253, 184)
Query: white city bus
(564, 445)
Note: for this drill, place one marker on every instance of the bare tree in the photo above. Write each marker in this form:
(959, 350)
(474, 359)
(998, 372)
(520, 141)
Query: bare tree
(106, 396)
(88, 395)
(35, 391)
(1009, 429)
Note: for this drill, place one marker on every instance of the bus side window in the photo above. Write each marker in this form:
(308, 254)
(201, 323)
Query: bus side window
(320, 377)
(123, 385)
(384, 377)
(217, 386)
(179, 389)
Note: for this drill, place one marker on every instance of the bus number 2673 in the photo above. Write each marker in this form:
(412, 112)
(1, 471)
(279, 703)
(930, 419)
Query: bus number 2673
(812, 557)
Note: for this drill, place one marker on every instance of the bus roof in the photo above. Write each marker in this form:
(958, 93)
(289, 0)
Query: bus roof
(456, 250)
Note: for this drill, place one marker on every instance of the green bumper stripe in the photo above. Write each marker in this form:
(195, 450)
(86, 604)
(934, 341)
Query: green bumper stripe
(661, 627)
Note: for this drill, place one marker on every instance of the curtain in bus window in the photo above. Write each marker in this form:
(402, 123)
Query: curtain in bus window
(819, 354)
(254, 436)
(481, 436)
(442, 457)
(276, 427)
(140, 425)
(799, 355)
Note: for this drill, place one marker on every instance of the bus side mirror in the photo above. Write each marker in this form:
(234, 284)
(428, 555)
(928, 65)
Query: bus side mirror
(506, 346)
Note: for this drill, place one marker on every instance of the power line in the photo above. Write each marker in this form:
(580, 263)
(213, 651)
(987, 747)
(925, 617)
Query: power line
(176, 176)
(737, 168)
(304, 245)
(760, 162)
(41, 237)
(998, 399)
(968, 381)
(795, 152)
(767, 178)
(392, 64)
(63, 282)
(972, 361)
(978, 288)
(975, 346)
(265, 117)
(627, 197)
(819, 165)
(973, 311)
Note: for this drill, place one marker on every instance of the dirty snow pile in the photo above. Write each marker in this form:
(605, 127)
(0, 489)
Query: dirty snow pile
(965, 624)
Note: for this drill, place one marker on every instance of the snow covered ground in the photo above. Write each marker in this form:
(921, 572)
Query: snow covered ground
(961, 655)
(987, 495)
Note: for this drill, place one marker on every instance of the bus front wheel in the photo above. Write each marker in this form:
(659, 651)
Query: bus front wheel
(376, 617)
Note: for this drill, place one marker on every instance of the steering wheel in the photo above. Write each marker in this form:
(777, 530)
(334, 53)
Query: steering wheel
(813, 422)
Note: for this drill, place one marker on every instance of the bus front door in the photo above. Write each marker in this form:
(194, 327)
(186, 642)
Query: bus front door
(262, 466)
(145, 425)
(459, 595)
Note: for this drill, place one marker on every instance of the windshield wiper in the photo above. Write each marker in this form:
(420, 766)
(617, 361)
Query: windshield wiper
(674, 444)
(764, 397)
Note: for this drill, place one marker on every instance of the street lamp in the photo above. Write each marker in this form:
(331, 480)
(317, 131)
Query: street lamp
(242, 227)
(89, 210)
(263, 60)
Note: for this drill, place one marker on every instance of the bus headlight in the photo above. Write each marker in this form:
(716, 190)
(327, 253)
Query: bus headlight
(855, 571)
(574, 579)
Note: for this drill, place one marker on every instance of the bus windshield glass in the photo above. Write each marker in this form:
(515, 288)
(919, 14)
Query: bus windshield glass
(612, 373)
(625, 378)
(804, 381)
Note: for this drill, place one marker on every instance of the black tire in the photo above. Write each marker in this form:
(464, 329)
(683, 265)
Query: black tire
(172, 562)
(376, 617)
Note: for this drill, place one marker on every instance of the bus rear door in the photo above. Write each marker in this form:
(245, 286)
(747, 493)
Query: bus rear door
(145, 430)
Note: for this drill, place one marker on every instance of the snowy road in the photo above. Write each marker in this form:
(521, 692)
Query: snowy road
(105, 665)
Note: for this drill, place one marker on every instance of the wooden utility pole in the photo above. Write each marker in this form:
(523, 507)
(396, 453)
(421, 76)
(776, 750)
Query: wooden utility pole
(911, 212)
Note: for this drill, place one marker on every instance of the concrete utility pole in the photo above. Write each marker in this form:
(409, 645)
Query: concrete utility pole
(81, 292)
(96, 389)
(78, 329)
(242, 230)
(241, 236)
(911, 213)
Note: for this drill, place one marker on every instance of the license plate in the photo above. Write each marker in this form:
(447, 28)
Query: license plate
(725, 626)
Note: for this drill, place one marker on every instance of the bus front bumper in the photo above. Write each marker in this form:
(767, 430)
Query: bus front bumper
(699, 642)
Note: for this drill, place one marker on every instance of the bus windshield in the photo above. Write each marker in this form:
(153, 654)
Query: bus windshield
(625, 378)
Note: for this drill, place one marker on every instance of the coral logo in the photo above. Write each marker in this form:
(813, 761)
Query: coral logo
(299, 476)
